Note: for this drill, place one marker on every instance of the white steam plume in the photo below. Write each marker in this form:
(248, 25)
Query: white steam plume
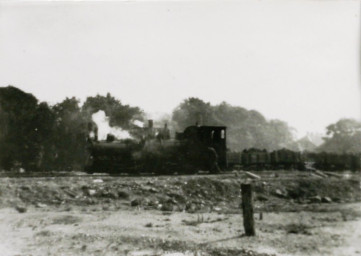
(138, 123)
(104, 129)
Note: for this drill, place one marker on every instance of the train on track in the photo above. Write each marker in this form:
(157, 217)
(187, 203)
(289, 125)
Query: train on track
(197, 148)
(200, 148)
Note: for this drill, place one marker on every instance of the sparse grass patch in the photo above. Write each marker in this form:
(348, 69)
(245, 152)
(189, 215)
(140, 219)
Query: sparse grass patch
(44, 233)
(298, 228)
(66, 220)
(350, 214)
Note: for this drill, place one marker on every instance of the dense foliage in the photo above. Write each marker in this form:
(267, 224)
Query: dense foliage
(246, 128)
(119, 115)
(19, 133)
(343, 136)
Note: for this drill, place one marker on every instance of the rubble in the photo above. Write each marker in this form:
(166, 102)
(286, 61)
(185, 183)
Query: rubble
(220, 193)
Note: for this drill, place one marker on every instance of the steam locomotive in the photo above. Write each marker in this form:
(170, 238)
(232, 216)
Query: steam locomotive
(197, 148)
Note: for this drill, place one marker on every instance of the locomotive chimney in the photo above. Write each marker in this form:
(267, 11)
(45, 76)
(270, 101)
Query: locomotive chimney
(199, 121)
(150, 123)
(93, 131)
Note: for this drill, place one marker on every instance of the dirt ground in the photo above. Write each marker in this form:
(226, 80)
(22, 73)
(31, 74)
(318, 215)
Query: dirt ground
(179, 215)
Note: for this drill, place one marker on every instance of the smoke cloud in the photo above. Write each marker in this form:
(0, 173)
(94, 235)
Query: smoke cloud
(102, 121)
(138, 123)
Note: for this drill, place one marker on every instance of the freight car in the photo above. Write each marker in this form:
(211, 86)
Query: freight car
(287, 159)
(335, 162)
(256, 159)
(197, 148)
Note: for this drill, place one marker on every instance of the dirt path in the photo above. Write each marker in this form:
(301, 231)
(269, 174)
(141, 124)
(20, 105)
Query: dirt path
(133, 232)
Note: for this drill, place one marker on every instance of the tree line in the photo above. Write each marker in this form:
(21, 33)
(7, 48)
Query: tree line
(37, 136)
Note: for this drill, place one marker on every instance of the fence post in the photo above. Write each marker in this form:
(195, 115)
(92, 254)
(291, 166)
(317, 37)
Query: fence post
(247, 207)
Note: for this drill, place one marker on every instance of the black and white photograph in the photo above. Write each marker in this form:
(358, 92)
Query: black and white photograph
(180, 127)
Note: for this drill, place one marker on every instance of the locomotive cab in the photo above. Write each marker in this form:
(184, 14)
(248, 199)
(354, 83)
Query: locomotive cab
(206, 139)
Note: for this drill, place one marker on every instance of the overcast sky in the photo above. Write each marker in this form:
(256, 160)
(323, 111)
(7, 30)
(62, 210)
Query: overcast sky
(295, 60)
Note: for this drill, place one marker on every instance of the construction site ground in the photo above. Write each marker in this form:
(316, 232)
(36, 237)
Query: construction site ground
(296, 213)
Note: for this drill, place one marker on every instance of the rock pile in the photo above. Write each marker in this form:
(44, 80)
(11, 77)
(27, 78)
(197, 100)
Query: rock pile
(192, 194)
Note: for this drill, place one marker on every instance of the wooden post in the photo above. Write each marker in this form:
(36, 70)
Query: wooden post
(247, 207)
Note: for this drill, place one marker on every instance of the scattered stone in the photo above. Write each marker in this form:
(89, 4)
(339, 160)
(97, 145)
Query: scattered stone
(280, 193)
(149, 225)
(153, 203)
(143, 253)
(153, 190)
(98, 181)
(178, 254)
(100, 174)
(191, 207)
(217, 209)
(177, 197)
(336, 199)
(21, 209)
(40, 205)
(326, 199)
(123, 195)
(167, 207)
(295, 228)
(136, 202)
(334, 174)
(109, 194)
(70, 193)
(91, 192)
(316, 199)
(320, 173)
(315, 175)
(253, 176)
(262, 198)
(171, 201)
